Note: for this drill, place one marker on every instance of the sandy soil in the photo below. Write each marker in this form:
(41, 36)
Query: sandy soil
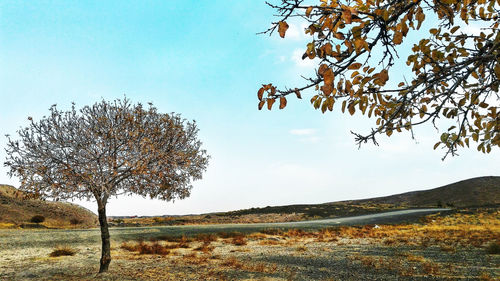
(264, 257)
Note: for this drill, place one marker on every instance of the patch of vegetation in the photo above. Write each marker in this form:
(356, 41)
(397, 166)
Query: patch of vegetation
(153, 249)
(75, 221)
(239, 240)
(37, 219)
(493, 248)
(62, 251)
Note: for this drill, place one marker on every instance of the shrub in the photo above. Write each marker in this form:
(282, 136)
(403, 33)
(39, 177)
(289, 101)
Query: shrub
(205, 247)
(37, 219)
(493, 248)
(229, 234)
(239, 240)
(158, 219)
(75, 221)
(62, 251)
(202, 237)
(184, 242)
(272, 231)
(301, 248)
(153, 249)
(129, 247)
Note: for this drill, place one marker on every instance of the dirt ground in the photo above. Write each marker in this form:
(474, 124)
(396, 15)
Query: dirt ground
(442, 249)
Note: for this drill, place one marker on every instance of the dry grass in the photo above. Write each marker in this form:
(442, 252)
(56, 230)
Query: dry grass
(301, 249)
(239, 241)
(269, 242)
(205, 248)
(493, 248)
(154, 249)
(129, 247)
(206, 237)
(62, 251)
(447, 232)
(250, 267)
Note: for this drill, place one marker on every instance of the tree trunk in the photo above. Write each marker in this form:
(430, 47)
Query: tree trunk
(106, 248)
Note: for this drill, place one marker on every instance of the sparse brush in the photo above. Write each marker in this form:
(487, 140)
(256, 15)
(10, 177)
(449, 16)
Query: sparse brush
(493, 248)
(171, 238)
(269, 242)
(257, 236)
(239, 240)
(184, 242)
(389, 241)
(447, 248)
(37, 219)
(226, 235)
(205, 247)
(232, 262)
(272, 231)
(301, 248)
(153, 249)
(75, 221)
(296, 233)
(485, 277)
(430, 268)
(62, 251)
(129, 247)
(202, 237)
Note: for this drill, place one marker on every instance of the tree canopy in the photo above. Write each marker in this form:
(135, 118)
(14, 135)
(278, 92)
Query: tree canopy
(104, 150)
(452, 79)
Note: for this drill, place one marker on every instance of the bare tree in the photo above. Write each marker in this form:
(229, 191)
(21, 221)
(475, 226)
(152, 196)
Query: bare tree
(107, 149)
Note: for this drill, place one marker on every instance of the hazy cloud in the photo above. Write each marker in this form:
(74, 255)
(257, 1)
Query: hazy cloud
(302, 132)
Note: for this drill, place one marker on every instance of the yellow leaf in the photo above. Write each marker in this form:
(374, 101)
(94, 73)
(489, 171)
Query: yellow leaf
(270, 103)
(339, 35)
(355, 65)
(308, 12)
(282, 27)
(261, 104)
(297, 93)
(346, 16)
(351, 109)
(322, 68)
(420, 17)
(436, 145)
(282, 102)
(328, 76)
(398, 38)
(358, 44)
(260, 93)
(343, 106)
(454, 29)
(497, 70)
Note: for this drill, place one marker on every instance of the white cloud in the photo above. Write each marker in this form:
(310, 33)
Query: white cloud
(307, 135)
(303, 63)
(302, 132)
(293, 32)
(311, 139)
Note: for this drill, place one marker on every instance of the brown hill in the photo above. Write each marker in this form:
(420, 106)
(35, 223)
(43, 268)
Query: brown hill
(15, 211)
(475, 192)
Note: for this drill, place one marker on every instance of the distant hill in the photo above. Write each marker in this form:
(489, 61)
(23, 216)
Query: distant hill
(475, 192)
(15, 211)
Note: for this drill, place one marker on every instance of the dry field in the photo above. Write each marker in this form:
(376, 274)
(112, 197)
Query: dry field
(460, 246)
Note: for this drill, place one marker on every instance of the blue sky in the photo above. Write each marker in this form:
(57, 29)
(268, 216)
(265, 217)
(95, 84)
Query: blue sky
(204, 60)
